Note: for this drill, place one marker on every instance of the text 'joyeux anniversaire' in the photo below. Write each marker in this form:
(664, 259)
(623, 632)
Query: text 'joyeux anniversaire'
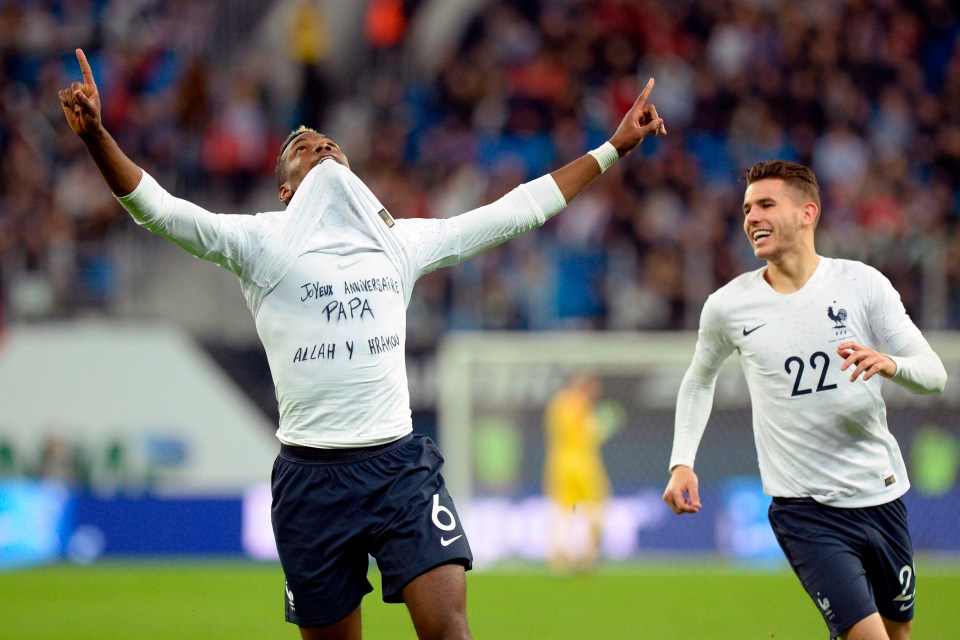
(353, 308)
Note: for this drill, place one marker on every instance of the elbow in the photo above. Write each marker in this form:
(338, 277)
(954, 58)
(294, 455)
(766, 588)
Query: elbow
(938, 384)
(941, 383)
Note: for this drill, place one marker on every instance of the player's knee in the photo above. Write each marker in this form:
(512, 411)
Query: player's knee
(448, 625)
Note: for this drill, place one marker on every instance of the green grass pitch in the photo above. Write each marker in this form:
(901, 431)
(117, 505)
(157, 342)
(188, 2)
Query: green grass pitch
(668, 599)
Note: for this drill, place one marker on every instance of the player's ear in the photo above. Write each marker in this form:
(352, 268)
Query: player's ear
(285, 193)
(810, 213)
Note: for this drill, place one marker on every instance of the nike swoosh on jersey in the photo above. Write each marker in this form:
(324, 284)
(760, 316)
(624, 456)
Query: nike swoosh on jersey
(906, 606)
(747, 332)
(341, 265)
(447, 543)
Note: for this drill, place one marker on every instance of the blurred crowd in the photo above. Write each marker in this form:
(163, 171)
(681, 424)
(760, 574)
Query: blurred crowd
(867, 92)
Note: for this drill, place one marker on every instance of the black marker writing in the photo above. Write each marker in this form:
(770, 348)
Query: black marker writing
(315, 290)
(322, 351)
(371, 284)
(354, 308)
(379, 344)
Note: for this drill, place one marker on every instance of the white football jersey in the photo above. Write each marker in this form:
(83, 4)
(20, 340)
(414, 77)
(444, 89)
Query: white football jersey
(334, 326)
(817, 433)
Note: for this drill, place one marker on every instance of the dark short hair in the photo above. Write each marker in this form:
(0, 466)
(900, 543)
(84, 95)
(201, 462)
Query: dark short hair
(281, 169)
(795, 175)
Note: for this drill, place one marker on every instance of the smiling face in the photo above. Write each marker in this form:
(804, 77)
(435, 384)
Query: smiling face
(302, 153)
(778, 219)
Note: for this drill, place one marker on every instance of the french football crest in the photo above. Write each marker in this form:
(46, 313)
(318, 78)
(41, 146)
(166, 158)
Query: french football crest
(839, 318)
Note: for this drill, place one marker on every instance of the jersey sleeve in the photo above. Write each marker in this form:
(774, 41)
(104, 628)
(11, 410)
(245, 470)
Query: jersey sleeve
(919, 368)
(889, 322)
(695, 397)
(225, 240)
(438, 243)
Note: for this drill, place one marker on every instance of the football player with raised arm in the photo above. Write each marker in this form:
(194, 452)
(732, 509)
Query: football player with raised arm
(328, 281)
(809, 331)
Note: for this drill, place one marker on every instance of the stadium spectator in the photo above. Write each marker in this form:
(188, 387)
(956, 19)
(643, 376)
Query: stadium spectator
(895, 86)
(826, 455)
(351, 479)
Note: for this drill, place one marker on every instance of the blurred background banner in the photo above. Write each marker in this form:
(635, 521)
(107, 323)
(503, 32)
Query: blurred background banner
(179, 465)
(494, 390)
(124, 408)
(35, 521)
(136, 407)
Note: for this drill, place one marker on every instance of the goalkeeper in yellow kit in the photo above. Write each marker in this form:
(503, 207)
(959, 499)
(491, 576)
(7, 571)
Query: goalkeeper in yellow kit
(575, 480)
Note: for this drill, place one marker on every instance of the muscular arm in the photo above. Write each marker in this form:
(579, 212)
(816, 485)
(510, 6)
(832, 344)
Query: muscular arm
(81, 108)
(120, 173)
(531, 204)
(640, 121)
(224, 240)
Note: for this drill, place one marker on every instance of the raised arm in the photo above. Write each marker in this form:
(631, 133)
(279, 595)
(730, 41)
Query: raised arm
(81, 107)
(640, 121)
(533, 203)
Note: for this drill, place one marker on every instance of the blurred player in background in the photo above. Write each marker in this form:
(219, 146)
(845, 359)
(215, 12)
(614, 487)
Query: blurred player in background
(328, 281)
(808, 330)
(575, 480)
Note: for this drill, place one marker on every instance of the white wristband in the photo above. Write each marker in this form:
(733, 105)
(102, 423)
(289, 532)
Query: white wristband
(606, 154)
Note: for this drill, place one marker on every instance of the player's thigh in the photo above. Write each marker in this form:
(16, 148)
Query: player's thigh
(348, 628)
(319, 535)
(419, 528)
(898, 630)
(889, 559)
(875, 627)
(826, 557)
(870, 628)
(437, 601)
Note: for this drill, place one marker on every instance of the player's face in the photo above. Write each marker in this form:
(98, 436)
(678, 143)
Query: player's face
(773, 217)
(304, 153)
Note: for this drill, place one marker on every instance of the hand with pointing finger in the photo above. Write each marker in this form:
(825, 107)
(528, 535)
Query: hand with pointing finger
(81, 101)
(639, 122)
(81, 107)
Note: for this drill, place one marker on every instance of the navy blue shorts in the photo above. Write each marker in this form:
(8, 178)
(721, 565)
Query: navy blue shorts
(332, 509)
(852, 562)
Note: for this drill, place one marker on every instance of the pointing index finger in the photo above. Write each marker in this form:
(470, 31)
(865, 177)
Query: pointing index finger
(85, 69)
(646, 92)
(641, 100)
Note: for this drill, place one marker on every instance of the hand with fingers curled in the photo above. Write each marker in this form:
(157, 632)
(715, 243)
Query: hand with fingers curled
(639, 122)
(81, 101)
(683, 491)
(867, 361)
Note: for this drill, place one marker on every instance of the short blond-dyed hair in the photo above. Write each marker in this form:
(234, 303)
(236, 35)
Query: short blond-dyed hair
(281, 169)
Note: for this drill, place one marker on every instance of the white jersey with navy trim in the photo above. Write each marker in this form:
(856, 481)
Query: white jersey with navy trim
(817, 433)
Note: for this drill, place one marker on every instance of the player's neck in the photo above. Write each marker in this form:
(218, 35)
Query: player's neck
(791, 272)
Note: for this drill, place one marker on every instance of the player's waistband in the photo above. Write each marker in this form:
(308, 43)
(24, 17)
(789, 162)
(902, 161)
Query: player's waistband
(294, 453)
(795, 502)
